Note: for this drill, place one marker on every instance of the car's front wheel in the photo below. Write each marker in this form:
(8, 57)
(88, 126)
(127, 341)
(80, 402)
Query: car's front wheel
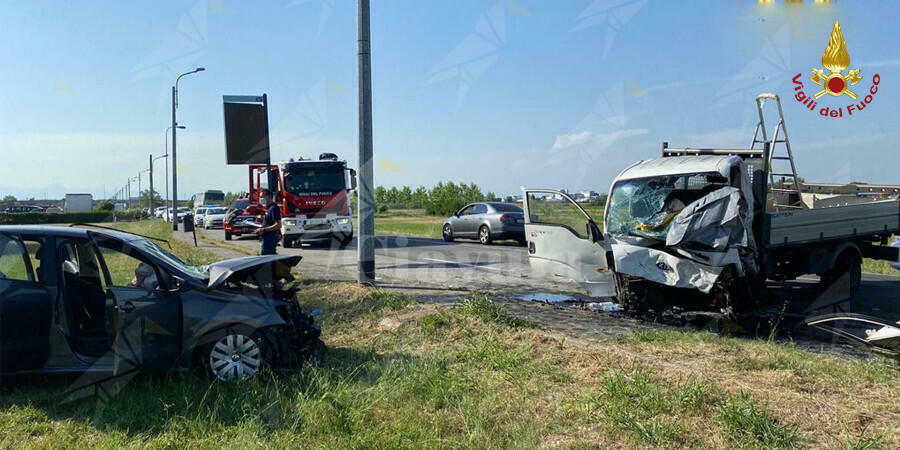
(447, 233)
(235, 356)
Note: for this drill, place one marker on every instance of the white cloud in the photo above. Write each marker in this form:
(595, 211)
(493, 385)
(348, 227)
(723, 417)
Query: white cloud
(565, 141)
(593, 140)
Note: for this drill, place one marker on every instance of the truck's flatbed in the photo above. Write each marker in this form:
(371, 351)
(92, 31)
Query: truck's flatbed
(799, 227)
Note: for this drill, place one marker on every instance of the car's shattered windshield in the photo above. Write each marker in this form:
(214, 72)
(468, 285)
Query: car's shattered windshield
(200, 273)
(645, 207)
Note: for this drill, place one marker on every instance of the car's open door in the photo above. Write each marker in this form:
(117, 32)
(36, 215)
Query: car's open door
(563, 240)
(25, 309)
(143, 316)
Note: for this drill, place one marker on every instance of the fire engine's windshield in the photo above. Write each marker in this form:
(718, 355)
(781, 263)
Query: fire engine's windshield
(314, 180)
(645, 207)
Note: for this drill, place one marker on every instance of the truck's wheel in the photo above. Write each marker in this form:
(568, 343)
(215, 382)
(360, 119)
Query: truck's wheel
(849, 265)
(341, 242)
(227, 236)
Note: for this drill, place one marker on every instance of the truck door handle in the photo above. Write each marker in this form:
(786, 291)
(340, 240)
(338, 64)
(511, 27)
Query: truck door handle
(128, 307)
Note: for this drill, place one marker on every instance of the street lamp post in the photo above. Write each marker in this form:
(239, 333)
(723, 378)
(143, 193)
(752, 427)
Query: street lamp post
(174, 147)
(150, 197)
(166, 202)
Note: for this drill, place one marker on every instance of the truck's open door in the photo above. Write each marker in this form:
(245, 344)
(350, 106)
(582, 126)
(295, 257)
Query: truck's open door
(564, 241)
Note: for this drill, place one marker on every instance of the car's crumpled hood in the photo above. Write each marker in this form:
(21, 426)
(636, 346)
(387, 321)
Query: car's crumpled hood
(223, 270)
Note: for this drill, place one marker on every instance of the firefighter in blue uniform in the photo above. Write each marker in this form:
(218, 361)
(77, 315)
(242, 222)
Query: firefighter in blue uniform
(270, 231)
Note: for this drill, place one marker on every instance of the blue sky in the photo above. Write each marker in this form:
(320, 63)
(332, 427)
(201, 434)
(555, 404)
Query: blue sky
(501, 93)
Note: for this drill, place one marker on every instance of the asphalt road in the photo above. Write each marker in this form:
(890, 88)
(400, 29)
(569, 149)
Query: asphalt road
(503, 266)
(423, 262)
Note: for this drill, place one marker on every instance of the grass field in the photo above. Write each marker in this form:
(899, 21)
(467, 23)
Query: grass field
(401, 374)
(409, 222)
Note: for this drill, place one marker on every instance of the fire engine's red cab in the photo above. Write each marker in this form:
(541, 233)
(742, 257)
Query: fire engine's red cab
(314, 200)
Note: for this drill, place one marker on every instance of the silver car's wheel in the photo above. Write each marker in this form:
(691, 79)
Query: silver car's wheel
(235, 357)
(484, 235)
(447, 233)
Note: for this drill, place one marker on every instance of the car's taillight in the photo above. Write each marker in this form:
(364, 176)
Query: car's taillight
(505, 218)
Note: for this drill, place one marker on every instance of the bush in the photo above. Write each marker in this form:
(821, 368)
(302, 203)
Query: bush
(441, 200)
(41, 218)
(106, 205)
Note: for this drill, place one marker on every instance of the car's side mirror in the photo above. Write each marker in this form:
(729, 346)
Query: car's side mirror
(352, 180)
(175, 283)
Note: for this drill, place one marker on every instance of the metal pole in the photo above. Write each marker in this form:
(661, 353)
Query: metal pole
(150, 197)
(167, 174)
(174, 168)
(270, 185)
(366, 240)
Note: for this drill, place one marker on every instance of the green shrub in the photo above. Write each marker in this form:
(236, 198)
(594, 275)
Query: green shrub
(106, 205)
(42, 218)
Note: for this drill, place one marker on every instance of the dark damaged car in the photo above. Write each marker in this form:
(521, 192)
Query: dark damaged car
(103, 302)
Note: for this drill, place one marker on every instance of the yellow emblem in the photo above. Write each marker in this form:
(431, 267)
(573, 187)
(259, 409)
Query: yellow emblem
(836, 59)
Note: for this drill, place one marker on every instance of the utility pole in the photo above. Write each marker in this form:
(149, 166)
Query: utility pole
(366, 240)
(150, 197)
(174, 170)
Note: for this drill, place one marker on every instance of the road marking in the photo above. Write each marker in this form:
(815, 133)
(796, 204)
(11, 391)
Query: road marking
(476, 267)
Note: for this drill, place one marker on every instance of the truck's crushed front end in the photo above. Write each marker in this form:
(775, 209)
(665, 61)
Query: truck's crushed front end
(681, 233)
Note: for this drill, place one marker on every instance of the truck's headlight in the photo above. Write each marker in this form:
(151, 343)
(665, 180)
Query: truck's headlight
(289, 222)
(343, 220)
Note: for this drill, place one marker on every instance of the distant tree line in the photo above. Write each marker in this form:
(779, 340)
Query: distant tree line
(443, 199)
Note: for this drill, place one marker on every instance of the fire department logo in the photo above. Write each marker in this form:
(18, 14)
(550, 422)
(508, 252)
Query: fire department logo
(836, 60)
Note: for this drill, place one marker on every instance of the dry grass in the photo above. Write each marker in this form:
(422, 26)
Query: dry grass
(401, 374)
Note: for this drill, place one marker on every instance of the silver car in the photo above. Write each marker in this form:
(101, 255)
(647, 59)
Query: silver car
(487, 222)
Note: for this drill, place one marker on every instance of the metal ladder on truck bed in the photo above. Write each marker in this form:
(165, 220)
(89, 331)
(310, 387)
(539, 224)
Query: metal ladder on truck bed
(785, 193)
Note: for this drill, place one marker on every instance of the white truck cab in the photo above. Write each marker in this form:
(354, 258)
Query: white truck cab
(705, 228)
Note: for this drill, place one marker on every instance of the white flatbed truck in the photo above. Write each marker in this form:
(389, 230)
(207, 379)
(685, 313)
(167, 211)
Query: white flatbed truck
(704, 228)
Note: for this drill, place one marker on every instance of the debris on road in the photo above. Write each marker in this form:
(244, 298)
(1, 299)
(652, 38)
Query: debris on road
(884, 340)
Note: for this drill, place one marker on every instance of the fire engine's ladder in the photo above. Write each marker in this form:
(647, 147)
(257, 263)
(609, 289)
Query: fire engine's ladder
(781, 168)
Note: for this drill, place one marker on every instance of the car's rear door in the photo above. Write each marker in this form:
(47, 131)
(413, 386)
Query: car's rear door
(25, 309)
(564, 241)
(143, 316)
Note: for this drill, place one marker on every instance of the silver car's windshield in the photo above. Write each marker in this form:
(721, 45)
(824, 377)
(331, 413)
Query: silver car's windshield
(200, 273)
(645, 207)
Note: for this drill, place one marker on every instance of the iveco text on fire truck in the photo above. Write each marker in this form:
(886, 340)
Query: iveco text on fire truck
(315, 205)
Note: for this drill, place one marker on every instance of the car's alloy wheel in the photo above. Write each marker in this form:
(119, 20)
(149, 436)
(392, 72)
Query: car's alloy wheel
(484, 235)
(235, 357)
(447, 233)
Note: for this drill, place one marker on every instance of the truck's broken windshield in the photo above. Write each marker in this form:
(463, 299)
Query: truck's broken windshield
(645, 207)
